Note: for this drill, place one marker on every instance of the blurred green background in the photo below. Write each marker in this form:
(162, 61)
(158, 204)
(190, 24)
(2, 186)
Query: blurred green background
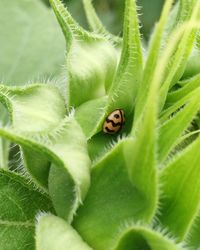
(32, 46)
(111, 13)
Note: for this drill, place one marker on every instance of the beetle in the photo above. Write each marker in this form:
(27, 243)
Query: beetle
(114, 122)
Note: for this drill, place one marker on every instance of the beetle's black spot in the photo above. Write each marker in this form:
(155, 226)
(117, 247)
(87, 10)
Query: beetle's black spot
(116, 116)
(113, 123)
(109, 130)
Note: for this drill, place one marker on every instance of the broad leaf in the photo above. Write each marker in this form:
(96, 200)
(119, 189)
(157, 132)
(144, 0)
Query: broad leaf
(54, 233)
(90, 115)
(113, 197)
(96, 24)
(152, 61)
(192, 67)
(20, 203)
(125, 84)
(138, 237)
(34, 108)
(29, 35)
(193, 239)
(171, 130)
(129, 72)
(188, 86)
(182, 50)
(91, 59)
(40, 127)
(180, 197)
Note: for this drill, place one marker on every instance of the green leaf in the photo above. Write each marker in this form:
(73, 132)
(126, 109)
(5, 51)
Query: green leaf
(180, 197)
(90, 115)
(172, 22)
(192, 67)
(4, 149)
(4, 145)
(124, 87)
(27, 40)
(37, 165)
(130, 165)
(100, 144)
(128, 173)
(70, 160)
(182, 51)
(138, 237)
(185, 10)
(152, 61)
(189, 85)
(20, 202)
(193, 239)
(171, 110)
(112, 197)
(171, 130)
(35, 108)
(129, 72)
(91, 59)
(140, 156)
(54, 233)
(39, 125)
(96, 24)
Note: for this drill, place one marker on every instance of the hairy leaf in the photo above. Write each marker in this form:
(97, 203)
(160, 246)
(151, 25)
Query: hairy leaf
(193, 239)
(112, 197)
(91, 59)
(178, 62)
(181, 191)
(27, 40)
(34, 108)
(125, 85)
(152, 60)
(54, 233)
(171, 130)
(188, 86)
(90, 115)
(138, 237)
(20, 202)
(53, 138)
(96, 24)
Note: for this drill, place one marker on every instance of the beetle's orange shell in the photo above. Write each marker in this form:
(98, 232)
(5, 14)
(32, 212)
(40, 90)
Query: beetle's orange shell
(114, 122)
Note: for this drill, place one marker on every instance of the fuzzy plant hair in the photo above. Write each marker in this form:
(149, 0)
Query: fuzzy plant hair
(72, 186)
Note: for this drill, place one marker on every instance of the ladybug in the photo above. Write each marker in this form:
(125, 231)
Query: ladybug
(114, 122)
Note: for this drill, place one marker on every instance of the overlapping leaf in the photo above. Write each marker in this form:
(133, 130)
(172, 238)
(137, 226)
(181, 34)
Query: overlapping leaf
(123, 183)
(20, 203)
(91, 59)
(181, 191)
(124, 179)
(39, 125)
(138, 237)
(54, 233)
(112, 197)
(95, 23)
(152, 61)
(124, 87)
(193, 239)
(177, 64)
(29, 35)
(171, 130)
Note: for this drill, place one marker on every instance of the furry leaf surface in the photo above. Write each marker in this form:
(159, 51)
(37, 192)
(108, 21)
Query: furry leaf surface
(20, 202)
(54, 233)
(27, 40)
(53, 138)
